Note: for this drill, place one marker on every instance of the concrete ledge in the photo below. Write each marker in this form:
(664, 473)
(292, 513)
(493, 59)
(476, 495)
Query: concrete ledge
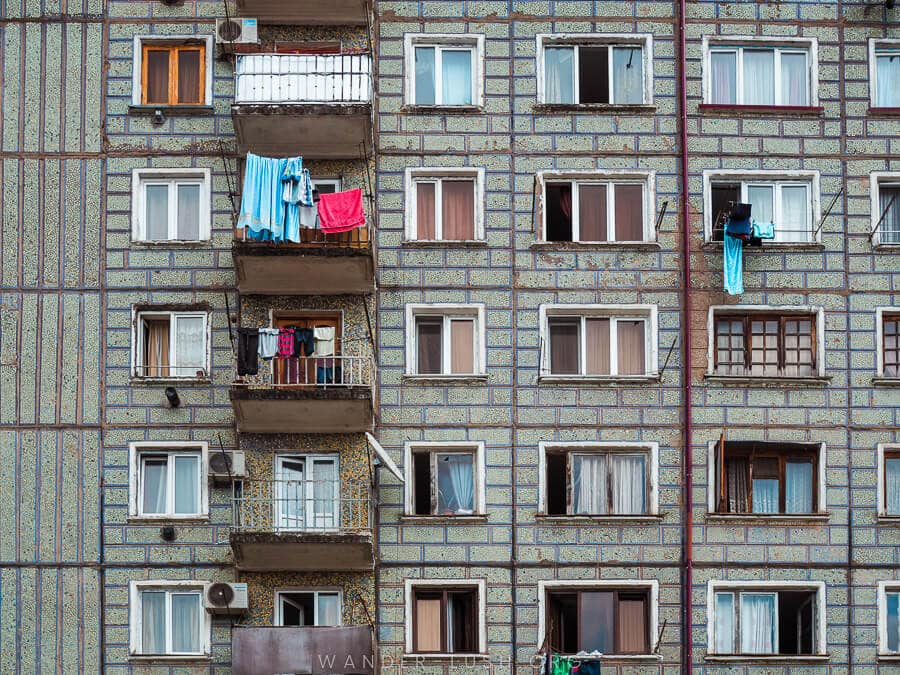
(768, 382)
(769, 518)
(442, 380)
(609, 246)
(612, 520)
(416, 109)
(734, 110)
(788, 659)
(593, 108)
(599, 379)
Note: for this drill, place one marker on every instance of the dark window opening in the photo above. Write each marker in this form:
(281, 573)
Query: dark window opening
(722, 198)
(593, 74)
(298, 609)
(796, 617)
(559, 212)
(557, 484)
(610, 622)
(422, 483)
(445, 621)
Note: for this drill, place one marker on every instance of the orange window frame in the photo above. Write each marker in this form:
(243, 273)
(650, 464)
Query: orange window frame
(174, 51)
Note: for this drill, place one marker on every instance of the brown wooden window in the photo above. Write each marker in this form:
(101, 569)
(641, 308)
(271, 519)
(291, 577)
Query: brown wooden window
(597, 345)
(597, 483)
(173, 74)
(891, 344)
(445, 621)
(608, 621)
(765, 345)
(595, 211)
(761, 478)
(444, 482)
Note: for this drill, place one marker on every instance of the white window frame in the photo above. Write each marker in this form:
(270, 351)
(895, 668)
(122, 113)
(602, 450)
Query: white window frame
(138, 349)
(712, 484)
(714, 586)
(879, 338)
(881, 450)
(448, 311)
(141, 178)
(475, 448)
(877, 45)
(610, 177)
(414, 176)
(279, 517)
(136, 451)
(810, 46)
(649, 585)
(885, 587)
(818, 313)
(651, 449)
(411, 585)
(314, 591)
(136, 617)
(755, 177)
(642, 40)
(630, 312)
(138, 42)
(440, 41)
(877, 179)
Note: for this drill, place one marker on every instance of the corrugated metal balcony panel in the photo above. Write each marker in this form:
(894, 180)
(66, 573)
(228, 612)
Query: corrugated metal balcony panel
(303, 78)
(307, 650)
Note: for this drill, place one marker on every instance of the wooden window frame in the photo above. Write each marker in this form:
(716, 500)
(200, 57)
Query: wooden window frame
(445, 591)
(747, 319)
(433, 454)
(314, 319)
(174, 51)
(644, 594)
(607, 453)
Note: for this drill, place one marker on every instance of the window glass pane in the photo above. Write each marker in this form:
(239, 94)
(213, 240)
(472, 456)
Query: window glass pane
(736, 493)
(462, 346)
(628, 75)
(564, 357)
(724, 623)
(156, 88)
(154, 480)
(155, 359)
(759, 77)
(186, 622)
(329, 609)
(723, 78)
(764, 347)
(593, 74)
(758, 623)
(189, 212)
(632, 344)
(458, 209)
(187, 484)
(629, 213)
(765, 495)
(589, 481)
(794, 85)
(190, 342)
(629, 483)
(425, 211)
(324, 492)
(153, 622)
(798, 487)
(425, 75)
(762, 201)
(596, 622)
(891, 346)
(428, 624)
(892, 486)
(456, 484)
(799, 360)
(889, 212)
(597, 347)
(189, 85)
(795, 224)
(428, 346)
(730, 347)
(456, 66)
(157, 216)
(559, 75)
(559, 212)
(887, 80)
(592, 212)
(893, 621)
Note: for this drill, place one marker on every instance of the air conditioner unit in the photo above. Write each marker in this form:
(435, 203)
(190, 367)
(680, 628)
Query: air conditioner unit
(236, 31)
(224, 598)
(225, 466)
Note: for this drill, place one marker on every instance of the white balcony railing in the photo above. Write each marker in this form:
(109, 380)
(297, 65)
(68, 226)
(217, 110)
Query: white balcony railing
(303, 78)
(323, 372)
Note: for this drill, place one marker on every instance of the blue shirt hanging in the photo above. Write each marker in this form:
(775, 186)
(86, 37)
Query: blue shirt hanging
(733, 255)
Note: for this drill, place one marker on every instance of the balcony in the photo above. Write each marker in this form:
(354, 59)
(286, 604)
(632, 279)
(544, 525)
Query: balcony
(321, 264)
(306, 12)
(312, 650)
(303, 526)
(320, 395)
(316, 106)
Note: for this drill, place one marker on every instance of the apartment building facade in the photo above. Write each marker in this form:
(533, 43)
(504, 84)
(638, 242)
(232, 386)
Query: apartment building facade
(580, 441)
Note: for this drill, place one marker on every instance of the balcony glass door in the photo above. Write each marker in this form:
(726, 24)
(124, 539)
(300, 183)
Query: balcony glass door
(306, 493)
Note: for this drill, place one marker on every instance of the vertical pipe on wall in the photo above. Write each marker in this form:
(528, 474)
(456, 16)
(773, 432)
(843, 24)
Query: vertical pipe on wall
(686, 342)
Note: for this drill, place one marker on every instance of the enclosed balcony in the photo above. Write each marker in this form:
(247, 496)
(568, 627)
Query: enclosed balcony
(306, 12)
(311, 650)
(300, 524)
(316, 106)
(305, 395)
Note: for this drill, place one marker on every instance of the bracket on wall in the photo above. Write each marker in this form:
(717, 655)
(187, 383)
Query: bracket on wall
(883, 216)
(827, 212)
(668, 356)
(662, 214)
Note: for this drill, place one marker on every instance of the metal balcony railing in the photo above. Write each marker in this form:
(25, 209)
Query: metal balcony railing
(303, 78)
(323, 372)
(283, 506)
(312, 237)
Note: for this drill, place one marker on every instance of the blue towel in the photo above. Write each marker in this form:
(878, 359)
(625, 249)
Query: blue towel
(273, 191)
(763, 230)
(734, 265)
(296, 192)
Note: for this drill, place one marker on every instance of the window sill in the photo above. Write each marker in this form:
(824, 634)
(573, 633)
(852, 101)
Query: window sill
(886, 382)
(418, 109)
(551, 108)
(599, 379)
(886, 519)
(893, 658)
(768, 658)
(412, 378)
(649, 519)
(462, 657)
(628, 658)
(164, 243)
(884, 112)
(761, 110)
(171, 110)
(444, 243)
(769, 518)
(596, 245)
(186, 659)
(774, 247)
(812, 381)
(137, 380)
(887, 248)
(167, 520)
(441, 519)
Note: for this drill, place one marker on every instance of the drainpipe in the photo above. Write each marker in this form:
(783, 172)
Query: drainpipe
(687, 628)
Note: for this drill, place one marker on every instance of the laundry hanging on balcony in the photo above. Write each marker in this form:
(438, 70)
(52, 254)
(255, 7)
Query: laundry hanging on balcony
(341, 211)
(738, 229)
(274, 190)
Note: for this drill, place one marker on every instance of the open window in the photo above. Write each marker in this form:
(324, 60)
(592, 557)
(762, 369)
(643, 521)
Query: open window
(885, 207)
(761, 618)
(171, 344)
(787, 205)
(444, 480)
(767, 478)
(445, 340)
(445, 204)
(307, 608)
(445, 619)
(884, 73)
(317, 349)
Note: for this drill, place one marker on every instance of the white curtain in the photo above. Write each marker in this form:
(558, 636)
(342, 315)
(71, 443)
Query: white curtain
(425, 75)
(724, 623)
(559, 74)
(189, 345)
(758, 623)
(765, 495)
(589, 484)
(628, 75)
(154, 478)
(289, 495)
(723, 80)
(187, 485)
(186, 622)
(456, 76)
(759, 77)
(892, 486)
(629, 481)
(329, 610)
(794, 87)
(798, 487)
(456, 484)
(153, 622)
(887, 78)
(325, 486)
(762, 200)
(794, 225)
(889, 211)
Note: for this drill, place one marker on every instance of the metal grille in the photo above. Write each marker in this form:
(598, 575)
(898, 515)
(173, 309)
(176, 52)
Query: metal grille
(303, 78)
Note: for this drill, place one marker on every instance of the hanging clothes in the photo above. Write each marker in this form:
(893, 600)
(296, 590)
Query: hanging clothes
(324, 336)
(304, 342)
(285, 343)
(341, 211)
(248, 351)
(733, 258)
(268, 343)
(738, 223)
(589, 667)
(296, 193)
(273, 191)
(763, 230)
(560, 665)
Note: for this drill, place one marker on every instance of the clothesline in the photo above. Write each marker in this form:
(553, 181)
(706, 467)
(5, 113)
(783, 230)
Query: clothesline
(282, 343)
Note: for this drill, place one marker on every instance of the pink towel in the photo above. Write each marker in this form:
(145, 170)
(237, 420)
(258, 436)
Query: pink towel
(341, 211)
